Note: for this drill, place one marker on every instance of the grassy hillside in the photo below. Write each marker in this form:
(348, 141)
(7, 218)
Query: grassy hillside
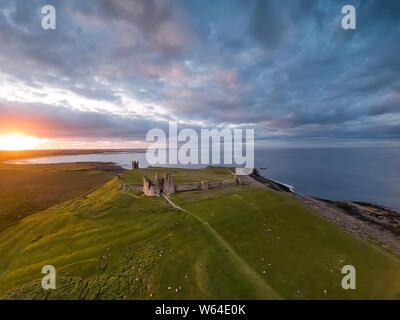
(26, 189)
(301, 252)
(236, 243)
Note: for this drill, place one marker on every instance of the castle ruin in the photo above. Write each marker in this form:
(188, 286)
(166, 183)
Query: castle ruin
(135, 165)
(165, 185)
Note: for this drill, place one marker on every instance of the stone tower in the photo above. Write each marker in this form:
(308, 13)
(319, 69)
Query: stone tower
(168, 184)
(157, 185)
(148, 187)
(135, 165)
(165, 185)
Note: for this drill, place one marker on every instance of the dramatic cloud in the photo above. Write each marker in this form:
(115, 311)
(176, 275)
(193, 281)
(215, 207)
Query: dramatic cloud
(115, 69)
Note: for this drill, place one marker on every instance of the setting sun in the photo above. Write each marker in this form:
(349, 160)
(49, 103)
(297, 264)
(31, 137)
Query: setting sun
(19, 142)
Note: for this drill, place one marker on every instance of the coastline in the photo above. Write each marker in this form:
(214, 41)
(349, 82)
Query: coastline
(372, 222)
(270, 183)
(369, 221)
(105, 166)
(7, 155)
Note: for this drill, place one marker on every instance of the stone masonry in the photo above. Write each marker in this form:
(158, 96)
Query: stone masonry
(135, 165)
(167, 185)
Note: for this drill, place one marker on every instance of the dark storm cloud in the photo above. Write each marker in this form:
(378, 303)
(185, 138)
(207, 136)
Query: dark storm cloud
(392, 105)
(269, 23)
(285, 67)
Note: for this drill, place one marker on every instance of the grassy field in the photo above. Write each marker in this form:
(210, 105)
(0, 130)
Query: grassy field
(26, 189)
(234, 243)
(180, 175)
(301, 252)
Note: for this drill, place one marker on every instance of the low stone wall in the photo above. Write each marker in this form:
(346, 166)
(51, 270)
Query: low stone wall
(214, 184)
(204, 185)
(128, 187)
(188, 186)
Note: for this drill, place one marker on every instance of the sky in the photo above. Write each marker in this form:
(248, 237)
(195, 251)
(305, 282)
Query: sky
(112, 70)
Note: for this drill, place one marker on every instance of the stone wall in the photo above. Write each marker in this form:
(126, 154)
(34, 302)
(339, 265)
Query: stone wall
(149, 188)
(167, 185)
(188, 186)
(214, 184)
(205, 185)
(157, 185)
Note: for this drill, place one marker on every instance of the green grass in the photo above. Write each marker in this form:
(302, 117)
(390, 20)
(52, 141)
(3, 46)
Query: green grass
(180, 175)
(26, 189)
(132, 247)
(116, 244)
(298, 249)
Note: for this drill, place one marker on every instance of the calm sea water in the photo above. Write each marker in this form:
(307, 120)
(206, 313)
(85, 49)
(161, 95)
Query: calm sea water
(358, 174)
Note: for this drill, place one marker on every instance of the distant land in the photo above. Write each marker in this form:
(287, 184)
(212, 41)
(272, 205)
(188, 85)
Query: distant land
(21, 154)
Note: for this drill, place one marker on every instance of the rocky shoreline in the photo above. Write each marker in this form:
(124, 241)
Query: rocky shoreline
(372, 222)
(270, 183)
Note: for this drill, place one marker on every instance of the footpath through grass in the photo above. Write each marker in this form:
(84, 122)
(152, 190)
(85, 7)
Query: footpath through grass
(299, 253)
(109, 245)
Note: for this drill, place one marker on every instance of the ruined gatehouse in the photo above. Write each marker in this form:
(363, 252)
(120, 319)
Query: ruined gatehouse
(164, 185)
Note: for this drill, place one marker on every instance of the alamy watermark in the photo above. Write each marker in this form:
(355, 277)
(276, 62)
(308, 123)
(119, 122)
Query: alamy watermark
(349, 280)
(49, 18)
(186, 147)
(49, 280)
(349, 20)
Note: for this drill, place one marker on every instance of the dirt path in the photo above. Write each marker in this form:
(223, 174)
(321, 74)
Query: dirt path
(265, 290)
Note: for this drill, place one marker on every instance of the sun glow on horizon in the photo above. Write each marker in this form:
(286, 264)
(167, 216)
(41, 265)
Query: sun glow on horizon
(15, 142)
